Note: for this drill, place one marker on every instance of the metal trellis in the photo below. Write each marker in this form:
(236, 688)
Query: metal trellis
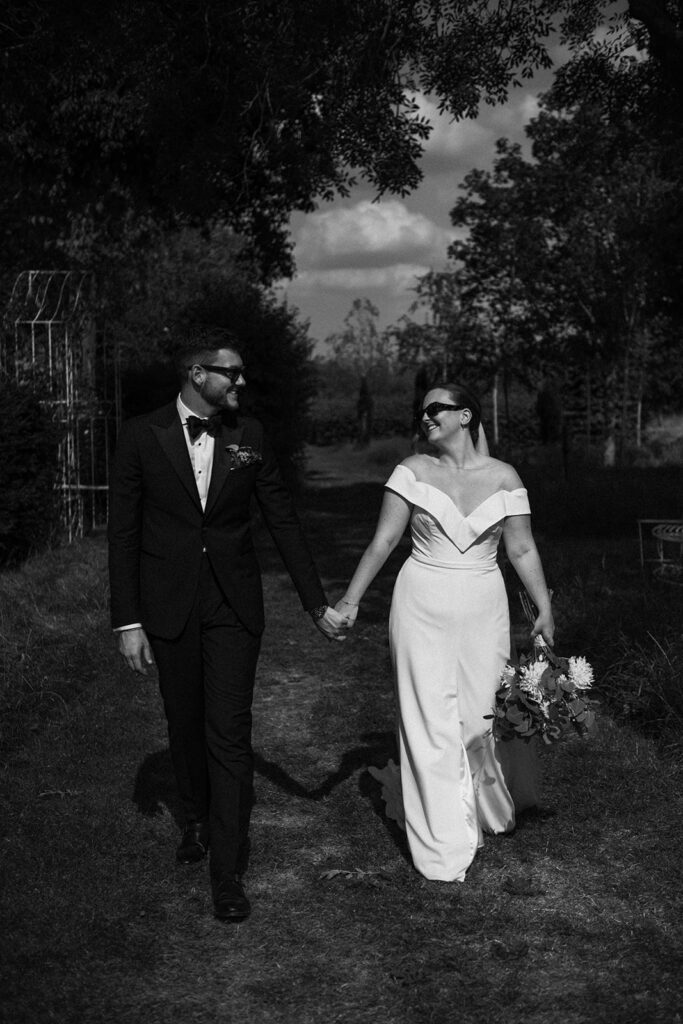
(51, 338)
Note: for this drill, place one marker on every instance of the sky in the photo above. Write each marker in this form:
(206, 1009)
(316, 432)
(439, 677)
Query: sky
(358, 248)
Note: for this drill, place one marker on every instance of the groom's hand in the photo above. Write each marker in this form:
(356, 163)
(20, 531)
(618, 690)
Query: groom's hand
(135, 649)
(332, 624)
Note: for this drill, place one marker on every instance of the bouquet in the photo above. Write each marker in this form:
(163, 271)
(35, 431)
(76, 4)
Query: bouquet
(543, 695)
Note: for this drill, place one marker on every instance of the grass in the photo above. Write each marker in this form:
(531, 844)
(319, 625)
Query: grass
(573, 918)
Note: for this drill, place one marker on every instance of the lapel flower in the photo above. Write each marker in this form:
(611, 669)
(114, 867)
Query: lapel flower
(241, 456)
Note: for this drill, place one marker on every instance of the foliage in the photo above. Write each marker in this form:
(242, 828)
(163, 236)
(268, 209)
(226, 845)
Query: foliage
(202, 277)
(571, 265)
(334, 410)
(174, 268)
(28, 470)
(276, 350)
(124, 117)
(644, 684)
(449, 340)
(361, 346)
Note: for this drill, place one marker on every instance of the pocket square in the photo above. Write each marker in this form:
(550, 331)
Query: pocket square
(241, 456)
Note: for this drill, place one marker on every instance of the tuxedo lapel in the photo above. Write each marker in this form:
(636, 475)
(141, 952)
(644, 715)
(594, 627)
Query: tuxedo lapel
(171, 436)
(220, 469)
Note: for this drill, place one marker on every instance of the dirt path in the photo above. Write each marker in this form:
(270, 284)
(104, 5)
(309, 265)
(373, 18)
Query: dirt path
(573, 918)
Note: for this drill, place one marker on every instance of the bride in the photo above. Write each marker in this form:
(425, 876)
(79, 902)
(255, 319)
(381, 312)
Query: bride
(449, 632)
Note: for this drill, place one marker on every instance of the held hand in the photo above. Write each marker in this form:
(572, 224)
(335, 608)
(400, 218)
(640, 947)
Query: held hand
(135, 650)
(332, 625)
(348, 610)
(544, 626)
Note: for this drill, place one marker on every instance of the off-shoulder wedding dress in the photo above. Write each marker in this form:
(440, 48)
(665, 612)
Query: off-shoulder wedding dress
(450, 639)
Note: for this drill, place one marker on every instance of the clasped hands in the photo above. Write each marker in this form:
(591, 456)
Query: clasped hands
(337, 621)
(136, 650)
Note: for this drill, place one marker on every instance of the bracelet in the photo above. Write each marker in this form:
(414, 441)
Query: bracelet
(354, 604)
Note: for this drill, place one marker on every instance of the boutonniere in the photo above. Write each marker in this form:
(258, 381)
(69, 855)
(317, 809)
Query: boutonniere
(241, 456)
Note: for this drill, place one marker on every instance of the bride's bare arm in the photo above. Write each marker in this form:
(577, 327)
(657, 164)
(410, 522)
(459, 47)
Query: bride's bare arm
(526, 561)
(393, 519)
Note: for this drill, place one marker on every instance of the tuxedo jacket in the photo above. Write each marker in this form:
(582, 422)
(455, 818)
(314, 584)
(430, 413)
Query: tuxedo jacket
(158, 532)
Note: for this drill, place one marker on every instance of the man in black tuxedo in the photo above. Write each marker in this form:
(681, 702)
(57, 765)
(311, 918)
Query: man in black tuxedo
(186, 591)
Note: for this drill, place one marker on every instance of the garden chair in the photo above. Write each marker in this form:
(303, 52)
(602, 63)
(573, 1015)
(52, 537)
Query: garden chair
(661, 548)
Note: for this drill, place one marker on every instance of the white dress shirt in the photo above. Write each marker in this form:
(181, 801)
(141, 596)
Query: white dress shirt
(200, 452)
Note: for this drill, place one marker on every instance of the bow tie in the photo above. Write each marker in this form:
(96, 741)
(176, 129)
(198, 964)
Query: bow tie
(197, 426)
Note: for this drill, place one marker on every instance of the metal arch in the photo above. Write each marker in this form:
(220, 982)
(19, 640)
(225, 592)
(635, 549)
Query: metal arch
(50, 336)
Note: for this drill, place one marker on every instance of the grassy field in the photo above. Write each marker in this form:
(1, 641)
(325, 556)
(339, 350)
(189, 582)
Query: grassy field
(576, 917)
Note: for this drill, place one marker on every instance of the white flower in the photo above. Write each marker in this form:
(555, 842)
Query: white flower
(507, 676)
(580, 673)
(531, 679)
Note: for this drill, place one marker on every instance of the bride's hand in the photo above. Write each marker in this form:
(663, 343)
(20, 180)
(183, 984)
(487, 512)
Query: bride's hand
(545, 627)
(348, 609)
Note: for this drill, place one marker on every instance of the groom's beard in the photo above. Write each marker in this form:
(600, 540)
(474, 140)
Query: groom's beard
(223, 397)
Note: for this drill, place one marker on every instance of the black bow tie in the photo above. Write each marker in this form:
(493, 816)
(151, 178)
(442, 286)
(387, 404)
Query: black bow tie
(197, 426)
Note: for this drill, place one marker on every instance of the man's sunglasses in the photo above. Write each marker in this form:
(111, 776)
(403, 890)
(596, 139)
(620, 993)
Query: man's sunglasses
(233, 373)
(434, 408)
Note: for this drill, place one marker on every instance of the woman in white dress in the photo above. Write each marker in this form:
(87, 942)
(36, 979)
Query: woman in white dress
(450, 632)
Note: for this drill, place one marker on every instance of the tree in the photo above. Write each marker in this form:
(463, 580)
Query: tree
(123, 116)
(564, 266)
(195, 278)
(361, 345)
(29, 439)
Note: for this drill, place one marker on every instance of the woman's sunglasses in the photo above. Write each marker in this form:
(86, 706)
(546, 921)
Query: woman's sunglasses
(434, 408)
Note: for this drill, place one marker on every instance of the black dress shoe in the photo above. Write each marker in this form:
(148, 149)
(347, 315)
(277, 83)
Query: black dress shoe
(195, 843)
(231, 903)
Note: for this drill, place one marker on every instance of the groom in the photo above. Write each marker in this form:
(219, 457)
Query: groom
(186, 590)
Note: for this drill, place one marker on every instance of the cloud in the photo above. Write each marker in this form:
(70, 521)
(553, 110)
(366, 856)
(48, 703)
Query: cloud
(457, 146)
(369, 234)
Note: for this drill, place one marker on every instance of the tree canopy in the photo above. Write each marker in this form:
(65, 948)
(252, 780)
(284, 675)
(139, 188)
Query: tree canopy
(118, 116)
(572, 259)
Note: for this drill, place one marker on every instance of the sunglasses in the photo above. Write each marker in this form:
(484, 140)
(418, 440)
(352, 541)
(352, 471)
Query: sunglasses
(434, 408)
(233, 373)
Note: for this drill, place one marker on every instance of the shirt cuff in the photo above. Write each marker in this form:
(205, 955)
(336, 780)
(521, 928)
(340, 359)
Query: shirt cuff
(133, 625)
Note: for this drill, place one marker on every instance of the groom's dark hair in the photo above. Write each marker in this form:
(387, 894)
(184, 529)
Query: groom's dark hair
(199, 344)
(463, 395)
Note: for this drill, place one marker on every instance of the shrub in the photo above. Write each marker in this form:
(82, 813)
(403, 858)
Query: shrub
(276, 350)
(333, 418)
(645, 686)
(28, 468)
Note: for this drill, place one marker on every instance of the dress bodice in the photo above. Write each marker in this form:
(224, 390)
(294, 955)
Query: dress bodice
(442, 535)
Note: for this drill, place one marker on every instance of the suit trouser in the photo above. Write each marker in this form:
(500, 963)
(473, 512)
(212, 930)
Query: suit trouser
(206, 677)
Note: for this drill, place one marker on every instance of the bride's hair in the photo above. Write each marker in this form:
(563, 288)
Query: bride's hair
(462, 395)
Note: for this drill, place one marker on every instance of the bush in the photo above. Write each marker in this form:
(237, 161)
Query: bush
(333, 418)
(645, 686)
(276, 350)
(29, 510)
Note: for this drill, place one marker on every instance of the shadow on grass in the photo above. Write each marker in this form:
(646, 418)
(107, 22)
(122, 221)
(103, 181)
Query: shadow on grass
(155, 786)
